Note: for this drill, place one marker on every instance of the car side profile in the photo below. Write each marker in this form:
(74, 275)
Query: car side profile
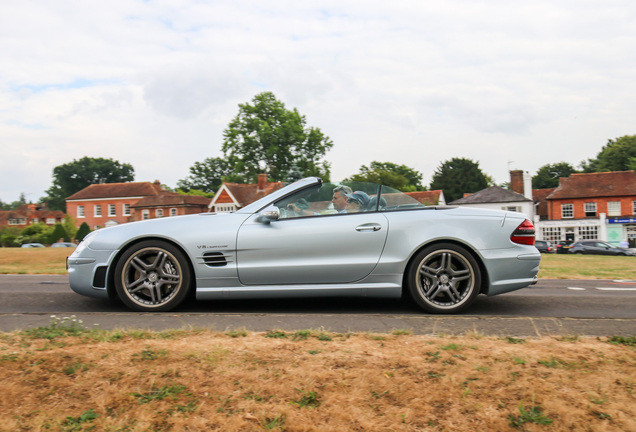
(296, 242)
(598, 247)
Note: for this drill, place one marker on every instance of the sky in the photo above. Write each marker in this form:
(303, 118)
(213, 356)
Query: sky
(507, 84)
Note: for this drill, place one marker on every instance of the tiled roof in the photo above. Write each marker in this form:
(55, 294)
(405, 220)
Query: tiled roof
(603, 184)
(25, 213)
(493, 194)
(172, 199)
(540, 196)
(427, 197)
(248, 193)
(117, 190)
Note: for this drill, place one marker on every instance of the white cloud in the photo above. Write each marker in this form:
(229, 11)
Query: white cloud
(155, 83)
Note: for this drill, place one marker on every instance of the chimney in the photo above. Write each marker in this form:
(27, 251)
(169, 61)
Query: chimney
(521, 182)
(262, 182)
(516, 181)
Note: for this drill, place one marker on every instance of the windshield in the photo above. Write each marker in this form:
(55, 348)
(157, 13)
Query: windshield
(344, 197)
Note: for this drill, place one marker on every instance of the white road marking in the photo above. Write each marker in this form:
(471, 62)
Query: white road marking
(576, 289)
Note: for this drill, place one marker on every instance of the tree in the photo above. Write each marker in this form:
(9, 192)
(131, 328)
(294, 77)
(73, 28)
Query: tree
(82, 232)
(396, 176)
(69, 227)
(617, 155)
(265, 137)
(458, 176)
(548, 175)
(75, 176)
(206, 176)
(58, 233)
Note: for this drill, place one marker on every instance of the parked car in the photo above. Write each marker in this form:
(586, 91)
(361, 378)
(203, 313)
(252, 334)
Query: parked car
(544, 246)
(295, 242)
(563, 246)
(597, 247)
(32, 245)
(64, 245)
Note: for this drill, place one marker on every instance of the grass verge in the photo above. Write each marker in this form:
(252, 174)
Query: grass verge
(66, 377)
(553, 266)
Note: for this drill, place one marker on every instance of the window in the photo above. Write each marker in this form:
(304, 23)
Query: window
(126, 209)
(50, 221)
(111, 210)
(173, 212)
(552, 234)
(17, 221)
(80, 211)
(567, 211)
(512, 208)
(98, 210)
(588, 232)
(145, 214)
(34, 221)
(159, 213)
(590, 209)
(634, 207)
(225, 208)
(614, 208)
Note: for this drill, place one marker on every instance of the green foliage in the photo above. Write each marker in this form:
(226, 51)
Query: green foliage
(76, 423)
(159, 393)
(458, 176)
(58, 233)
(266, 137)
(206, 176)
(15, 204)
(34, 233)
(58, 327)
(399, 177)
(548, 175)
(82, 232)
(75, 176)
(532, 415)
(617, 155)
(9, 236)
(309, 399)
(69, 227)
(622, 340)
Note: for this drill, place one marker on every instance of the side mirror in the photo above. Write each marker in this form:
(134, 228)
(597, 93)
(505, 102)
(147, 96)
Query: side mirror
(268, 215)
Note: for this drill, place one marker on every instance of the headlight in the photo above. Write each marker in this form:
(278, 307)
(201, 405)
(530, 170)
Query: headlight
(84, 243)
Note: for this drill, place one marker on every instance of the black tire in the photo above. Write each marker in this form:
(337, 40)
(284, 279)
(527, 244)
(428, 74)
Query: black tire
(152, 276)
(444, 278)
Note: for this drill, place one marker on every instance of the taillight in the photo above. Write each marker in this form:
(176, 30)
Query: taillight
(524, 234)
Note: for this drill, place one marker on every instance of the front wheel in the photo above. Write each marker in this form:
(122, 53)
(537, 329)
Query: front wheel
(444, 278)
(152, 276)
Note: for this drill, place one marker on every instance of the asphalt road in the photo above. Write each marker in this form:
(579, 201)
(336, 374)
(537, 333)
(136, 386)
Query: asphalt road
(550, 308)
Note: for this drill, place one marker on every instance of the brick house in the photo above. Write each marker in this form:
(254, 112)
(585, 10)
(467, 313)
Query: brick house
(232, 196)
(592, 206)
(168, 204)
(106, 204)
(28, 214)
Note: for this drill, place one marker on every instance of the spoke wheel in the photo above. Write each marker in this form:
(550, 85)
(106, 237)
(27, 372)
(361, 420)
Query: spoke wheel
(444, 278)
(152, 276)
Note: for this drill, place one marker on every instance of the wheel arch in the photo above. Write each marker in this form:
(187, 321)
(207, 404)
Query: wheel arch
(482, 268)
(110, 277)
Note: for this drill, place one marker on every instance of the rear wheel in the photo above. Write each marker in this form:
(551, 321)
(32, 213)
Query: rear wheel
(152, 276)
(444, 278)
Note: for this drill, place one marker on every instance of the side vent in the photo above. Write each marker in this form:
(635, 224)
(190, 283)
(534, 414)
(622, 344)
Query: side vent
(214, 259)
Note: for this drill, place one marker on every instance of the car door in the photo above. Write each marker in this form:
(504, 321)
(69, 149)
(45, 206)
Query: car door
(332, 249)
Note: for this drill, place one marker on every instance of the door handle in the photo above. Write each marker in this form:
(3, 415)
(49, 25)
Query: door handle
(368, 227)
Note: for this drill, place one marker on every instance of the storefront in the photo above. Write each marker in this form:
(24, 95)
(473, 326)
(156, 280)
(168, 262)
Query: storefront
(621, 231)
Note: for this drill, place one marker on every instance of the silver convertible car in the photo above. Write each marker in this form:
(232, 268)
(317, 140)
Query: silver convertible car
(312, 239)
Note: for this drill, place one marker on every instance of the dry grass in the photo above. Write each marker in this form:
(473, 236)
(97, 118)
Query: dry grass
(553, 266)
(34, 260)
(312, 381)
(563, 266)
